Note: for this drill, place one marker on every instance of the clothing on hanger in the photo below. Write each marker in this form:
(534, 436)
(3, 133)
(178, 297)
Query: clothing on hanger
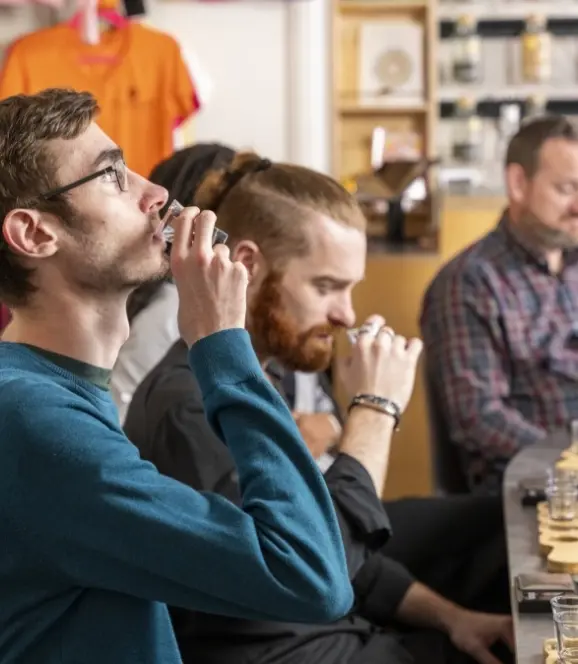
(137, 74)
(185, 135)
(91, 18)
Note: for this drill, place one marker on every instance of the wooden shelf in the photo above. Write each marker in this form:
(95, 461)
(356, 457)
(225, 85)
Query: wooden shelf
(379, 7)
(511, 9)
(358, 109)
(353, 122)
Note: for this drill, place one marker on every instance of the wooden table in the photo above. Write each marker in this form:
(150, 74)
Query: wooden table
(522, 538)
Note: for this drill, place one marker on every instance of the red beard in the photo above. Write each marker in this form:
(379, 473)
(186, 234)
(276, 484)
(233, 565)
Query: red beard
(276, 335)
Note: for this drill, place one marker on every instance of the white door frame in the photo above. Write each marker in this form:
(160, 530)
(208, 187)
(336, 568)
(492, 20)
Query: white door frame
(309, 77)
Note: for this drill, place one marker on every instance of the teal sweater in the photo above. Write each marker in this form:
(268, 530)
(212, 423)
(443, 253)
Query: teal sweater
(95, 541)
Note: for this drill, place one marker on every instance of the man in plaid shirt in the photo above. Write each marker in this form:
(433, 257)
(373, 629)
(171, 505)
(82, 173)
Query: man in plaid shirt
(500, 320)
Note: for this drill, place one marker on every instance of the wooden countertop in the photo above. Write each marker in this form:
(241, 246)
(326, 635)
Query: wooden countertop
(481, 199)
(474, 202)
(462, 216)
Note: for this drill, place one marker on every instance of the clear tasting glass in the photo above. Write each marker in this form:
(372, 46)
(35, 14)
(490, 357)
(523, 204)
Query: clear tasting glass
(168, 232)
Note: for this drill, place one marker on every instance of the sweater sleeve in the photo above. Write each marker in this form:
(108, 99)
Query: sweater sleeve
(380, 583)
(107, 519)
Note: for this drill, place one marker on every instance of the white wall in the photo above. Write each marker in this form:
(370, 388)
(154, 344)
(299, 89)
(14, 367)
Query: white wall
(243, 47)
(15, 21)
(268, 61)
(310, 82)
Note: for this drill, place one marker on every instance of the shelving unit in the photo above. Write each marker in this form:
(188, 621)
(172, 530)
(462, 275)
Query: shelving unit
(514, 9)
(354, 118)
(403, 110)
(500, 26)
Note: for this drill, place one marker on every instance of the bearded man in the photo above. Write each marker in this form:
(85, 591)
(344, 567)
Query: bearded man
(500, 320)
(302, 239)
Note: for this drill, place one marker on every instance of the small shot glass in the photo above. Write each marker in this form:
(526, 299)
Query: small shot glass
(556, 475)
(565, 615)
(562, 500)
(168, 232)
(353, 333)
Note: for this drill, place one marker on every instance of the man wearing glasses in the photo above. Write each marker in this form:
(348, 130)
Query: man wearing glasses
(95, 540)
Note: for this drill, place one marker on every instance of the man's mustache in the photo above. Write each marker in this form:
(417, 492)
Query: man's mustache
(323, 330)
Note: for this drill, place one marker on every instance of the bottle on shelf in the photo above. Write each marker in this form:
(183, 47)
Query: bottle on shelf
(534, 106)
(467, 51)
(536, 50)
(378, 138)
(467, 135)
(508, 125)
(509, 121)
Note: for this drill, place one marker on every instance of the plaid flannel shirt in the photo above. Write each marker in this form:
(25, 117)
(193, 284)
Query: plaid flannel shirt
(501, 334)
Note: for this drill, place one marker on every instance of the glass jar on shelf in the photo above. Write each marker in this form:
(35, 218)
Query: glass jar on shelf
(508, 125)
(467, 50)
(536, 50)
(535, 105)
(467, 132)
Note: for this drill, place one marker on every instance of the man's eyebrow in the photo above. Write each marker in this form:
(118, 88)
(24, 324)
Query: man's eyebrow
(330, 279)
(109, 155)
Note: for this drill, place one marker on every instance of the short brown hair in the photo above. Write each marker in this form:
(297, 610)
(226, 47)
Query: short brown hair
(27, 124)
(525, 146)
(269, 205)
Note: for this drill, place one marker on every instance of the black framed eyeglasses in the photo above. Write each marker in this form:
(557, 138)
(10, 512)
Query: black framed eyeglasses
(118, 170)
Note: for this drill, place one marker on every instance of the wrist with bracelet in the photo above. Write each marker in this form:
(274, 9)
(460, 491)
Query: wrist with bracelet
(379, 404)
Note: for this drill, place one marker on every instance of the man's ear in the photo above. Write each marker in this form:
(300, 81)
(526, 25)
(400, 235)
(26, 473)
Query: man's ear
(516, 183)
(248, 253)
(28, 233)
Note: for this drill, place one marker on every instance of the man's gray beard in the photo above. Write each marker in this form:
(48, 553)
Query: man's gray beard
(545, 237)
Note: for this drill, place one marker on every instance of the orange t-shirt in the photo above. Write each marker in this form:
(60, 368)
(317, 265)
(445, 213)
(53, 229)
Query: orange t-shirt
(136, 73)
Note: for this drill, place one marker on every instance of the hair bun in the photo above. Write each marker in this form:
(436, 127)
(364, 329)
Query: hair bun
(218, 183)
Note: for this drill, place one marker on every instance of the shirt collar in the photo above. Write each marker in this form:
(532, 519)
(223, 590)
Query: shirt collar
(275, 369)
(526, 249)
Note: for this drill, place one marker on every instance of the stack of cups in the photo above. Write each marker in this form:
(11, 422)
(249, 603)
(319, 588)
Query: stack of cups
(562, 494)
(565, 614)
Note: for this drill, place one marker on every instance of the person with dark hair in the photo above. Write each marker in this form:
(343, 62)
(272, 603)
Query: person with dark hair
(152, 307)
(500, 319)
(302, 238)
(97, 541)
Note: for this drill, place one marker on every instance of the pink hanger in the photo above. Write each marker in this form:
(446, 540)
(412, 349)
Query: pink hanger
(87, 20)
(111, 16)
(88, 17)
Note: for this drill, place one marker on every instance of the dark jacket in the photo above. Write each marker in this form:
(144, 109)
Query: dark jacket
(166, 422)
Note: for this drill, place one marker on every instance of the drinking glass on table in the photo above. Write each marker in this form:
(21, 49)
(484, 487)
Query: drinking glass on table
(557, 475)
(565, 615)
(562, 496)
